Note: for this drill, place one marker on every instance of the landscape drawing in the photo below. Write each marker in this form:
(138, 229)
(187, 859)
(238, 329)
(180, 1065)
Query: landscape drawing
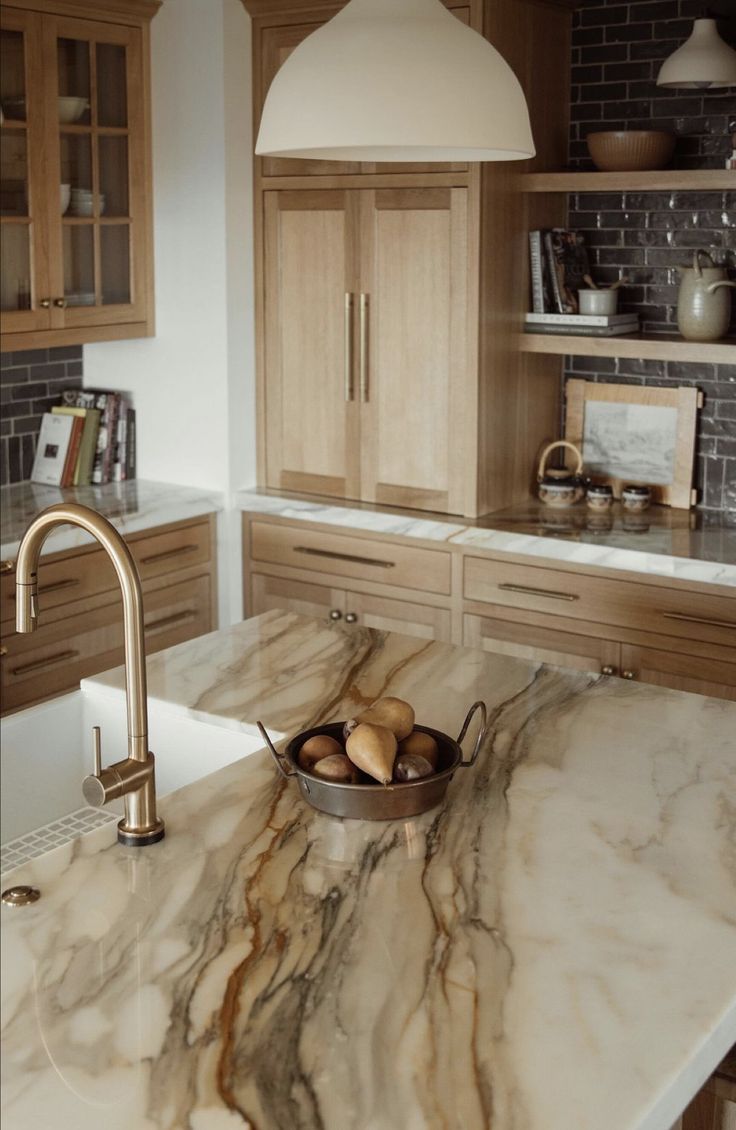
(632, 442)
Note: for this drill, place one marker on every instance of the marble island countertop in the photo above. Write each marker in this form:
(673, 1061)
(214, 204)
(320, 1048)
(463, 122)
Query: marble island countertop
(689, 545)
(136, 505)
(552, 949)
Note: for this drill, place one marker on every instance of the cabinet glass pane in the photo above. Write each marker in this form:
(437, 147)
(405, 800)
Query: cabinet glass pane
(113, 156)
(15, 267)
(115, 253)
(74, 81)
(76, 171)
(112, 108)
(79, 265)
(13, 173)
(12, 75)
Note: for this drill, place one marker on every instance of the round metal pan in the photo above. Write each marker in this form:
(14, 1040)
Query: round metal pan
(379, 802)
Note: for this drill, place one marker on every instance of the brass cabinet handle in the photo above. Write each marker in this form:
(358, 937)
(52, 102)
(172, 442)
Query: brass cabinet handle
(349, 391)
(351, 618)
(363, 349)
(608, 670)
(539, 592)
(628, 675)
(39, 664)
(169, 554)
(45, 303)
(7, 566)
(57, 586)
(699, 620)
(169, 621)
(60, 302)
(344, 557)
(335, 614)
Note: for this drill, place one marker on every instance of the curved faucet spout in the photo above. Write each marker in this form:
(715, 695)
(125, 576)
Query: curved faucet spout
(140, 825)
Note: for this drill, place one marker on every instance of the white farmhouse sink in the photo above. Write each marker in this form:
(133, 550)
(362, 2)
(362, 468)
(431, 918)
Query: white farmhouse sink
(47, 751)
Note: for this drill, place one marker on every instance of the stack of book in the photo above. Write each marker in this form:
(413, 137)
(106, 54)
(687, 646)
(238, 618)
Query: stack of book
(87, 439)
(594, 325)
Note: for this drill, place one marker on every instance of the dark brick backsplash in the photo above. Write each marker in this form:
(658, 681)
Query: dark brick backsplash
(648, 235)
(30, 384)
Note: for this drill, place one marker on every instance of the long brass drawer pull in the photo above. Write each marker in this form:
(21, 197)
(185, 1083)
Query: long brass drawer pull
(169, 621)
(344, 557)
(363, 349)
(57, 586)
(39, 664)
(539, 592)
(349, 346)
(7, 566)
(700, 620)
(169, 554)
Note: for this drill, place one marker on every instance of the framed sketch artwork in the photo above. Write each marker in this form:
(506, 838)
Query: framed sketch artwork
(632, 434)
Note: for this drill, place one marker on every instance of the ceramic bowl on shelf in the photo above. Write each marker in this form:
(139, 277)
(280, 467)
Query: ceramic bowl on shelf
(623, 151)
(81, 298)
(65, 196)
(71, 109)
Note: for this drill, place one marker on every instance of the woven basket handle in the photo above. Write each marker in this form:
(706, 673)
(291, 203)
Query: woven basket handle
(550, 447)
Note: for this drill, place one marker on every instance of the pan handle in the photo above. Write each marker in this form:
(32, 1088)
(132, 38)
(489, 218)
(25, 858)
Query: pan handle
(481, 733)
(278, 757)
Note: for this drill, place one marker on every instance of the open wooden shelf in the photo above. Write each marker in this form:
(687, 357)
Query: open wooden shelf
(684, 180)
(654, 347)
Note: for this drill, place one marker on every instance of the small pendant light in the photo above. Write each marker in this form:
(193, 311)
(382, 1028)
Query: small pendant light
(396, 80)
(703, 62)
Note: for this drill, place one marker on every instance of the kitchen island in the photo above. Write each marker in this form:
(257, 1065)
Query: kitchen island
(552, 949)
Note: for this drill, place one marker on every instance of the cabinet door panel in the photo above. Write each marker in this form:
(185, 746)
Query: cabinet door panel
(413, 347)
(541, 645)
(312, 436)
(389, 615)
(268, 593)
(679, 671)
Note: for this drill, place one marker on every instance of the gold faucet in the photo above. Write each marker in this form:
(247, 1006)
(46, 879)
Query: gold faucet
(133, 778)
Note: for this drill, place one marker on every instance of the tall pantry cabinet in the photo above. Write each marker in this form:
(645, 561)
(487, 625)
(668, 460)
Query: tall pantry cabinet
(388, 296)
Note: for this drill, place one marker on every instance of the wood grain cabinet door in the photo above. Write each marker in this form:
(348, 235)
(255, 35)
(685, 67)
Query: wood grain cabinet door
(312, 418)
(679, 671)
(413, 346)
(323, 602)
(542, 645)
(386, 614)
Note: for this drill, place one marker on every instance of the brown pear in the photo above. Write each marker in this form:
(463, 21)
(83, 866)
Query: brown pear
(373, 749)
(411, 767)
(393, 713)
(423, 745)
(315, 748)
(336, 767)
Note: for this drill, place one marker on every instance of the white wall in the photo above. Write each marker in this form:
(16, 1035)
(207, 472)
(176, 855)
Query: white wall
(193, 383)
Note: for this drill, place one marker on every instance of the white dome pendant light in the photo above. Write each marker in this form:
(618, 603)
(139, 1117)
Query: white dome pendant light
(396, 80)
(703, 62)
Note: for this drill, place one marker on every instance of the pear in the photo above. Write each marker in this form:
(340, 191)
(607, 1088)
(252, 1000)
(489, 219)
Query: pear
(393, 713)
(411, 767)
(336, 767)
(373, 749)
(423, 745)
(315, 748)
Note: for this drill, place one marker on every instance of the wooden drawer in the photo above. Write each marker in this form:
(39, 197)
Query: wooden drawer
(649, 608)
(679, 671)
(404, 566)
(66, 578)
(56, 656)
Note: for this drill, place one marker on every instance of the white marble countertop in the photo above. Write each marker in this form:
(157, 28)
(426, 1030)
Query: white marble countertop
(136, 505)
(684, 545)
(552, 949)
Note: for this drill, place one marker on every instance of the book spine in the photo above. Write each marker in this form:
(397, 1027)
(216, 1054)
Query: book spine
(551, 261)
(108, 454)
(130, 450)
(119, 469)
(72, 454)
(580, 319)
(537, 276)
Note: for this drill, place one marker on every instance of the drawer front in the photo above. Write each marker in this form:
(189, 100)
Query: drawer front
(542, 645)
(679, 671)
(359, 558)
(66, 580)
(668, 612)
(54, 658)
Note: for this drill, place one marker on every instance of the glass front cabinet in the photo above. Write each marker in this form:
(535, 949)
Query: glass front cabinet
(75, 174)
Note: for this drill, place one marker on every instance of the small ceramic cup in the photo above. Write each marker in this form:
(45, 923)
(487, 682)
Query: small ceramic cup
(599, 497)
(635, 499)
(598, 301)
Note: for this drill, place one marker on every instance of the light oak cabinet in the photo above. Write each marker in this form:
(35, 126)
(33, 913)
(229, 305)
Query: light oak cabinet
(75, 172)
(81, 625)
(389, 297)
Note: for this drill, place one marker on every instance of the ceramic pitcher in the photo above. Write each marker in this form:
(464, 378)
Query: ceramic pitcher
(703, 303)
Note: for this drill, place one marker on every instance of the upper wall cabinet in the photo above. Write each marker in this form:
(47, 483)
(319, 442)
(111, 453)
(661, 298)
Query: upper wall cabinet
(75, 172)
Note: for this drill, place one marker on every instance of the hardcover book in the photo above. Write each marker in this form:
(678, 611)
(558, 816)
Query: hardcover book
(87, 448)
(52, 449)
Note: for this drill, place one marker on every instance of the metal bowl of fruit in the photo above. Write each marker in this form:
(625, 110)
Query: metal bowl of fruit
(379, 765)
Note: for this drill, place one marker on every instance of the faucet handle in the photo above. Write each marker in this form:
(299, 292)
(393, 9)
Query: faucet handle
(116, 780)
